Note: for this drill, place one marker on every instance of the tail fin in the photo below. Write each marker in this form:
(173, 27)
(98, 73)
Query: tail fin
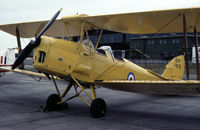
(175, 69)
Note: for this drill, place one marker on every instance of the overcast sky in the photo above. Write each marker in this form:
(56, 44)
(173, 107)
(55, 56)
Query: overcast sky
(15, 11)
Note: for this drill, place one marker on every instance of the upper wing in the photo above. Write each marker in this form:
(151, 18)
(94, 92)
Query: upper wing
(153, 87)
(30, 29)
(160, 21)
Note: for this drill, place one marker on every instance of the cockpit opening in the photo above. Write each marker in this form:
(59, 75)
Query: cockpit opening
(108, 49)
(86, 43)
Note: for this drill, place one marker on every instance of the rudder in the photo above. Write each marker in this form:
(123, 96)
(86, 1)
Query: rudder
(175, 69)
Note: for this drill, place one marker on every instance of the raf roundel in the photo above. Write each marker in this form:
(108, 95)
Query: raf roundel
(131, 76)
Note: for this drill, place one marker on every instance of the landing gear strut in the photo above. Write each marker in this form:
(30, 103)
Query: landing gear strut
(97, 105)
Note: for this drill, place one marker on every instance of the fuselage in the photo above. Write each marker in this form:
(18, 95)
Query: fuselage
(64, 58)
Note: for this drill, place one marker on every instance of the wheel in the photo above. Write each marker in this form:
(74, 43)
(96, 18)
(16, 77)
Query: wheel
(98, 108)
(51, 103)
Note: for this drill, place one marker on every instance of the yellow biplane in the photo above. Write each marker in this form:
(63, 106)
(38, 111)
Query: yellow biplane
(83, 65)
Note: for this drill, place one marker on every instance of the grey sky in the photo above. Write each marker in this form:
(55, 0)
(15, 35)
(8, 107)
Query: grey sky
(15, 11)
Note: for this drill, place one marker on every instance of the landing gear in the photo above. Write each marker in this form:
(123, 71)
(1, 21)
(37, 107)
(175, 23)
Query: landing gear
(52, 103)
(98, 108)
(97, 105)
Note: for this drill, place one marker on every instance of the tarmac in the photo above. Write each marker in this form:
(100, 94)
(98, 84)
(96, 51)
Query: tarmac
(21, 97)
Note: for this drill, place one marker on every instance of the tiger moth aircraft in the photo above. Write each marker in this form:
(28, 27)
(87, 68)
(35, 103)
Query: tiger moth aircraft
(83, 65)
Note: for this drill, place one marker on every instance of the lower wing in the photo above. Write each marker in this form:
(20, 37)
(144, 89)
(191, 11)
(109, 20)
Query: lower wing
(153, 87)
(24, 72)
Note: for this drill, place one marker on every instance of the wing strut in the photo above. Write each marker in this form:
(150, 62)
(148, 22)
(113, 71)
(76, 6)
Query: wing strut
(21, 66)
(186, 47)
(197, 53)
(98, 40)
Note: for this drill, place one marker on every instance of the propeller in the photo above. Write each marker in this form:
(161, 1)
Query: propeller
(33, 43)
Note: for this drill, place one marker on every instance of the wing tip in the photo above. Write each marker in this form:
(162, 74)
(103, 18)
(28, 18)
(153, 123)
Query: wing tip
(11, 70)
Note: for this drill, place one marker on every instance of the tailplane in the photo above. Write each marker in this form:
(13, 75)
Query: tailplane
(175, 69)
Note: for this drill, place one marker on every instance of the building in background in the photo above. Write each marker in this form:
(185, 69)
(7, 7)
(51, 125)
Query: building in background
(194, 54)
(161, 47)
(153, 46)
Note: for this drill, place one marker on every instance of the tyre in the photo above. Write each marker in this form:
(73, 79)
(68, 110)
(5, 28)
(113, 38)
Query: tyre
(51, 103)
(98, 108)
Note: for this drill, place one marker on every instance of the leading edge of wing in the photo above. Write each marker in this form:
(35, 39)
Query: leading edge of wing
(25, 72)
(153, 87)
(149, 81)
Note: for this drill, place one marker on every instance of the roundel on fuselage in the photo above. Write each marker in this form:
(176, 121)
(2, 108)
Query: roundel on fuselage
(131, 76)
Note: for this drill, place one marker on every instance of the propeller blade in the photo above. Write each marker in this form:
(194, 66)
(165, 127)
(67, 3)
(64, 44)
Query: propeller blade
(33, 43)
(49, 24)
(25, 52)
